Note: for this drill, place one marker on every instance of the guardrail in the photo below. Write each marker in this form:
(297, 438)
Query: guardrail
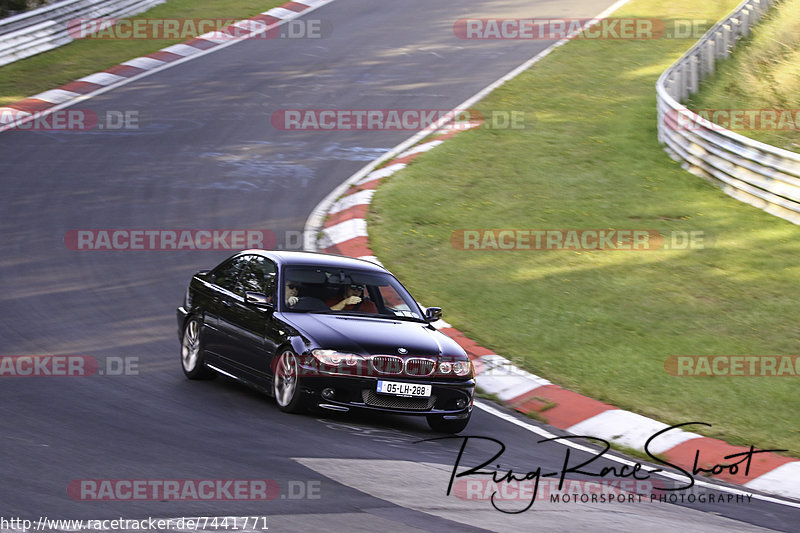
(48, 27)
(759, 174)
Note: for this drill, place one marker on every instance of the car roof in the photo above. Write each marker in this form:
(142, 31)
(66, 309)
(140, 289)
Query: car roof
(284, 258)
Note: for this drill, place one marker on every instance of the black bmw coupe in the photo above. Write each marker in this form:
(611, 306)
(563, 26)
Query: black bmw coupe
(324, 331)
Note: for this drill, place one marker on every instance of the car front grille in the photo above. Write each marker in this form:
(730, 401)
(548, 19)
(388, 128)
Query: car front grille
(374, 399)
(387, 364)
(417, 366)
(393, 365)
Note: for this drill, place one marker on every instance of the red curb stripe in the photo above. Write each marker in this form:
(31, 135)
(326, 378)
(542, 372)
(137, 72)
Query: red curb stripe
(167, 57)
(294, 6)
(31, 105)
(570, 407)
(356, 211)
(366, 186)
(355, 247)
(80, 87)
(407, 159)
(201, 44)
(713, 452)
(126, 71)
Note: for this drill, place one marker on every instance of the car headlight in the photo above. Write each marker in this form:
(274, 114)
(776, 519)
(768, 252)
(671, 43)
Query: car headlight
(462, 368)
(334, 358)
(459, 368)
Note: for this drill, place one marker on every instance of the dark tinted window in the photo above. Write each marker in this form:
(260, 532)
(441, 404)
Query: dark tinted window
(258, 275)
(227, 275)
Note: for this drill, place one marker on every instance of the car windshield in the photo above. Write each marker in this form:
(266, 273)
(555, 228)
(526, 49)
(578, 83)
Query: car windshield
(346, 291)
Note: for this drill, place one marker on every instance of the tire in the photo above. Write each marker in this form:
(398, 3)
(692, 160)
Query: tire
(440, 425)
(286, 383)
(193, 360)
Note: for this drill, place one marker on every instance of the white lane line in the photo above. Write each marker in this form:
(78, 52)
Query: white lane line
(675, 477)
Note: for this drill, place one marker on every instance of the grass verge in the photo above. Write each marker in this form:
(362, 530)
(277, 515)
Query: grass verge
(82, 57)
(762, 73)
(603, 323)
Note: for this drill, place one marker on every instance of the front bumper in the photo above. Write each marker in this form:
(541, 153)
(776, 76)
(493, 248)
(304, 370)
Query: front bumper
(451, 399)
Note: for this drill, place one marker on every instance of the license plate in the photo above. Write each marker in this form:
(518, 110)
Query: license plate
(403, 389)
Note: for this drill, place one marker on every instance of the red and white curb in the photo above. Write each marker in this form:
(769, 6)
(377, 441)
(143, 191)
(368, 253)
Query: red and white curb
(23, 111)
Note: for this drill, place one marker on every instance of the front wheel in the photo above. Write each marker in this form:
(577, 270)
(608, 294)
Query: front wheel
(440, 425)
(192, 354)
(286, 383)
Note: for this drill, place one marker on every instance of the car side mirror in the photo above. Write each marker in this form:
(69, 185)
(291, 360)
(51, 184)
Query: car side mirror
(259, 300)
(432, 314)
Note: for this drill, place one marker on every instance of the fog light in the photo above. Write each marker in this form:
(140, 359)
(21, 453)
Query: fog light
(460, 404)
(328, 393)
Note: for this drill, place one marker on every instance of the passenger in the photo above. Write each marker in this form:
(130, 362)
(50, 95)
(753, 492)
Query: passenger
(352, 299)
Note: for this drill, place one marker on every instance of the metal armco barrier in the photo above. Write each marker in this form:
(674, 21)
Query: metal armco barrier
(46, 28)
(759, 174)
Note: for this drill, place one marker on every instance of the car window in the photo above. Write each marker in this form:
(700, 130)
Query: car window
(329, 290)
(259, 275)
(227, 275)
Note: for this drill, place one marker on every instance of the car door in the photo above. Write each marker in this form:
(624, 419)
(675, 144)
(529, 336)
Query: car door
(220, 316)
(255, 340)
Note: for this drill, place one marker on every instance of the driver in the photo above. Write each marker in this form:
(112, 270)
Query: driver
(290, 290)
(352, 299)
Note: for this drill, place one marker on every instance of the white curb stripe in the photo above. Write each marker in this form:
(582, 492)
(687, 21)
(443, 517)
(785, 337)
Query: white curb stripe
(280, 12)
(632, 430)
(784, 480)
(182, 50)
(144, 63)
(56, 96)
(309, 3)
(371, 259)
(421, 148)
(382, 173)
(359, 198)
(344, 231)
(102, 78)
(215, 36)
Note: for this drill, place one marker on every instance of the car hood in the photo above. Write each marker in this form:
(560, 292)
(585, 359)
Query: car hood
(366, 335)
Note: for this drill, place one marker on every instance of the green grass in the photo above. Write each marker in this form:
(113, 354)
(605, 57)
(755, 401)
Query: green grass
(762, 73)
(603, 323)
(82, 57)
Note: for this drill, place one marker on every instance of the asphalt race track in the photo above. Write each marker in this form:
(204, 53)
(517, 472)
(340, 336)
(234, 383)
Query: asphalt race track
(206, 157)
